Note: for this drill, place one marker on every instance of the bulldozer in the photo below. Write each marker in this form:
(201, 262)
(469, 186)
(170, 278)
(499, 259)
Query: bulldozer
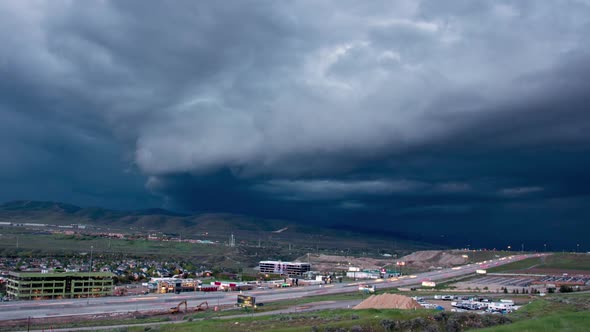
(176, 309)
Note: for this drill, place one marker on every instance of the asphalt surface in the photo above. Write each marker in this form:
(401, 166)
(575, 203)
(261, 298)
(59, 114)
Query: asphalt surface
(150, 302)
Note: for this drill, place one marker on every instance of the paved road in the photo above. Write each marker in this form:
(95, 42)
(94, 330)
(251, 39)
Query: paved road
(69, 307)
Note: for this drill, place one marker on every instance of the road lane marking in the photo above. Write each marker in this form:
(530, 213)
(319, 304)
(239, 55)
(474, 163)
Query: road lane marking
(48, 304)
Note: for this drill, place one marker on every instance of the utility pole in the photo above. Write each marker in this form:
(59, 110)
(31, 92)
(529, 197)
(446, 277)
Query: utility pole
(91, 248)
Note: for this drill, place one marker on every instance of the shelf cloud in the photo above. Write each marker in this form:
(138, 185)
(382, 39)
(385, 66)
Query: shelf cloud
(405, 113)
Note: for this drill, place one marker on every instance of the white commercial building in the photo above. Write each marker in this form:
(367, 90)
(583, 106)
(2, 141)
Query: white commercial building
(288, 268)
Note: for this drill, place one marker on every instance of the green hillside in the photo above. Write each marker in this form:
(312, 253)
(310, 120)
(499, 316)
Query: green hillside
(557, 261)
(215, 227)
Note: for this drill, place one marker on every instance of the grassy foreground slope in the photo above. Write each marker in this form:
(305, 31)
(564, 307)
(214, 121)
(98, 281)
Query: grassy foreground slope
(571, 321)
(342, 320)
(557, 313)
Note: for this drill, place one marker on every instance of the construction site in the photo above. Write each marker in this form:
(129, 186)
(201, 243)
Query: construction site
(175, 298)
(177, 312)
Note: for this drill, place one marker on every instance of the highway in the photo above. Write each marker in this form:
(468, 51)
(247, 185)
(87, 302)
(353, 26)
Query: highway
(150, 302)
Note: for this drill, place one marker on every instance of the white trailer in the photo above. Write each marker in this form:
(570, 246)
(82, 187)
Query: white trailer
(501, 306)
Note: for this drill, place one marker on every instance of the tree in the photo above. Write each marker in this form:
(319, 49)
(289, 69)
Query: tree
(565, 289)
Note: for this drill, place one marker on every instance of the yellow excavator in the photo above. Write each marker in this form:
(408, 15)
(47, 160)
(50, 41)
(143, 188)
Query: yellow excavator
(202, 307)
(176, 309)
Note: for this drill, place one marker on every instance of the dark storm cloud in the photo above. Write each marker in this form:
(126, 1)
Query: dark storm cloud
(405, 113)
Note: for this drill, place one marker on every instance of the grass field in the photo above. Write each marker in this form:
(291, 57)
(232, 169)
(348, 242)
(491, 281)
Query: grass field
(574, 322)
(563, 261)
(91, 323)
(61, 244)
(485, 255)
(342, 318)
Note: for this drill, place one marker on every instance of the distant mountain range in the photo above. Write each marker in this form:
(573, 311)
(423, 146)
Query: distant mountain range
(215, 226)
(157, 220)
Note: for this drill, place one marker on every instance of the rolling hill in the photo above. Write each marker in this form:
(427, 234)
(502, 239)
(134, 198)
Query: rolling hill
(216, 226)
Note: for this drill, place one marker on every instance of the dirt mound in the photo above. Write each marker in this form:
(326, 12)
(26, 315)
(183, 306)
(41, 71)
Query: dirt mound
(433, 258)
(331, 262)
(388, 301)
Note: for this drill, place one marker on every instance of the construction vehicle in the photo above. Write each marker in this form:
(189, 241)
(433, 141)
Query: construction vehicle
(176, 309)
(368, 289)
(120, 291)
(202, 307)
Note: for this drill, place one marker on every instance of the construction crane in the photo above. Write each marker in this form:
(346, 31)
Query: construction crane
(176, 309)
(201, 308)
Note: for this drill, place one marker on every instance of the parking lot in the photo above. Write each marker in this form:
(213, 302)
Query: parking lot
(494, 283)
(574, 280)
(498, 283)
(504, 281)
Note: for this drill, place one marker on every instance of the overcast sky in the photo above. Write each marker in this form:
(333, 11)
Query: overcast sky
(450, 121)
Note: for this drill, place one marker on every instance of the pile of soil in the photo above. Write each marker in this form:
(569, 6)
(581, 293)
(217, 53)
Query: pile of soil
(388, 301)
(434, 258)
(332, 262)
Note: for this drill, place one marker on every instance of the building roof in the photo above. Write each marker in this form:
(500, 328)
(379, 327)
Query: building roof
(60, 274)
(281, 262)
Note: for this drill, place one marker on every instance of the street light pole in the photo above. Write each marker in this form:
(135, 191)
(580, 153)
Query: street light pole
(89, 273)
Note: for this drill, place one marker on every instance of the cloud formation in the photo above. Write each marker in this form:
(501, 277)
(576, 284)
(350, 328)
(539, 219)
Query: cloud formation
(407, 112)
